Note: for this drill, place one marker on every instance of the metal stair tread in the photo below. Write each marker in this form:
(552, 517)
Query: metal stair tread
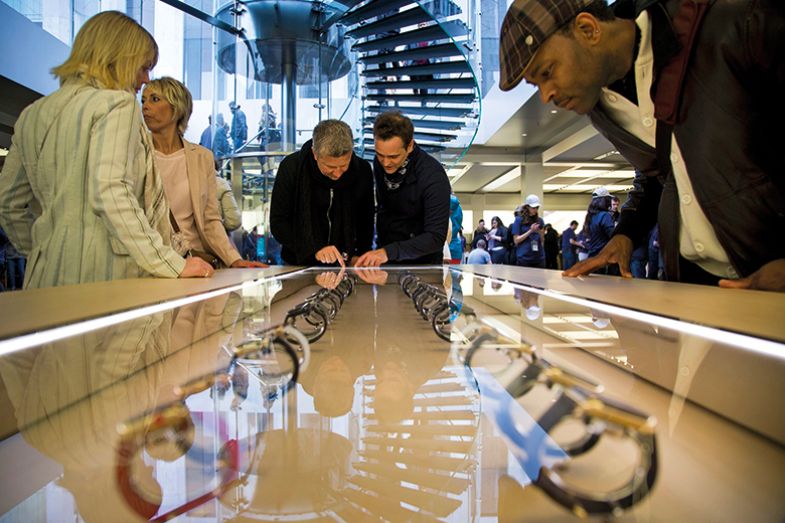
(423, 460)
(446, 67)
(391, 23)
(434, 98)
(436, 112)
(440, 506)
(436, 430)
(381, 507)
(450, 29)
(407, 17)
(432, 480)
(427, 479)
(421, 53)
(436, 83)
(431, 445)
(371, 10)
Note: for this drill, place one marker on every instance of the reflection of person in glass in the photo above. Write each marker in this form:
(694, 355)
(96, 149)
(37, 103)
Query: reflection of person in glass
(530, 303)
(69, 397)
(331, 376)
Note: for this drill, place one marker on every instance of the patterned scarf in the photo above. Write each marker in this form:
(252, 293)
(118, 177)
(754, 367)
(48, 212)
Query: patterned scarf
(393, 181)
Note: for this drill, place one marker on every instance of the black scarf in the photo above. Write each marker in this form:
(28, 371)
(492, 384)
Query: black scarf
(309, 177)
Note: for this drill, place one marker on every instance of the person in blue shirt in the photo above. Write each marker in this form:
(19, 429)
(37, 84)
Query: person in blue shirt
(479, 256)
(527, 235)
(221, 147)
(569, 245)
(456, 218)
(497, 239)
(239, 126)
(206, 140)
(599, 225)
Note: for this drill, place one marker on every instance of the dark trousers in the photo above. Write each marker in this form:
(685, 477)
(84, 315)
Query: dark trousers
(15, 273)
(499, 256)
(538, 264)
(568, 259)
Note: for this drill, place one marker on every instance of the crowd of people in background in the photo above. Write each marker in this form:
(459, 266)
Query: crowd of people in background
(148, 197)
(530, 242)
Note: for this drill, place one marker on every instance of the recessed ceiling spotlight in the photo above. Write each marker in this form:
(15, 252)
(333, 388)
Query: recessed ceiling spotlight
(524, 134)
(554, 111)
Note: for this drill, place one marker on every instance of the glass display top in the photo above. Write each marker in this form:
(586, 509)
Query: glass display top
(397, 395)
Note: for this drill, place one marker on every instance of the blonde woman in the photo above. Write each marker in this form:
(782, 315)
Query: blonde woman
(188, 173)
(79, 192)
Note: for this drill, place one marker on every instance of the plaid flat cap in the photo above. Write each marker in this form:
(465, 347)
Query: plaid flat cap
(527, 24)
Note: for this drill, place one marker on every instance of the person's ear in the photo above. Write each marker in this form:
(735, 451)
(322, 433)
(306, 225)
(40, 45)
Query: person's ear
(587, 28)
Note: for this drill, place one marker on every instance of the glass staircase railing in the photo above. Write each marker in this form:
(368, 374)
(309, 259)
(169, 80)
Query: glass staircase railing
(296, 63)
(418, 57)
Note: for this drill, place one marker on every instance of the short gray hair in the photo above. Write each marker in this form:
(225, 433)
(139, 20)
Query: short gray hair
(332, 138)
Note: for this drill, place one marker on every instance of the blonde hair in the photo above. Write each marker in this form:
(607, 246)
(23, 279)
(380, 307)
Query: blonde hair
(178, 96)
(108, 53)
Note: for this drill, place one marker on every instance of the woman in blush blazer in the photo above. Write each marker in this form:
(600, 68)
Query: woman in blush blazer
(79, 193)
(188, 173)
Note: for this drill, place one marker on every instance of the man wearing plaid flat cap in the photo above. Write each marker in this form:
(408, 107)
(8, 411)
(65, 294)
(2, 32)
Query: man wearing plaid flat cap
(684, 90)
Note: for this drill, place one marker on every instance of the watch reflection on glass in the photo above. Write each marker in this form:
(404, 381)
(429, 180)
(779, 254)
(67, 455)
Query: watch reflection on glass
(441, 311)
(518, 368)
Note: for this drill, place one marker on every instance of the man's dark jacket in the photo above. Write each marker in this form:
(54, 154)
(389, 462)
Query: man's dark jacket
(412, 219)
(729, 130)
(309, 211)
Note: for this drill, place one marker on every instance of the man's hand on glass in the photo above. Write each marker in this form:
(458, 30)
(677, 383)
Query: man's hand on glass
(618, 251)
(372, 258)
(330, 255)
(770, 277)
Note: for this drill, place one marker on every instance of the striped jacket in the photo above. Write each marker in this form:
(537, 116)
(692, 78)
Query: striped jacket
(80, 194)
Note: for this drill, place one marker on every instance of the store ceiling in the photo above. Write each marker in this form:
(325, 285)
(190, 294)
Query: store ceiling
(576, 158)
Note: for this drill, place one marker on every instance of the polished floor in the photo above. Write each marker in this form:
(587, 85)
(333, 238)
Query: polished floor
(423, 395)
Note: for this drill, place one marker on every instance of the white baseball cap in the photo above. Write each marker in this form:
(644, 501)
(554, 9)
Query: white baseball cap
(532, 200)
(599, 192)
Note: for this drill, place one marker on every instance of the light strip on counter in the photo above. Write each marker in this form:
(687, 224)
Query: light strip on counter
(27, 341)
(723, 337)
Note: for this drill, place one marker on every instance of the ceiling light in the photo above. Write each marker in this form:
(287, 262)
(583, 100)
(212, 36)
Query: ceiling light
(554, 111)
(504, 179)
(524, 135)
(606, 155)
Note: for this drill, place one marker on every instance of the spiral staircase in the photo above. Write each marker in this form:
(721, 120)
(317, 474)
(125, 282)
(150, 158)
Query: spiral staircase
(417, 57)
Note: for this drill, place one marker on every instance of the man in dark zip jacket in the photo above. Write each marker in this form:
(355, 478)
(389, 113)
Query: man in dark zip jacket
(322, 208)
(413, 194)
(687, 91)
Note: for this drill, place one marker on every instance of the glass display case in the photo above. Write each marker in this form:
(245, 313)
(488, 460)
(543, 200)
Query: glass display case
(421, 394)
